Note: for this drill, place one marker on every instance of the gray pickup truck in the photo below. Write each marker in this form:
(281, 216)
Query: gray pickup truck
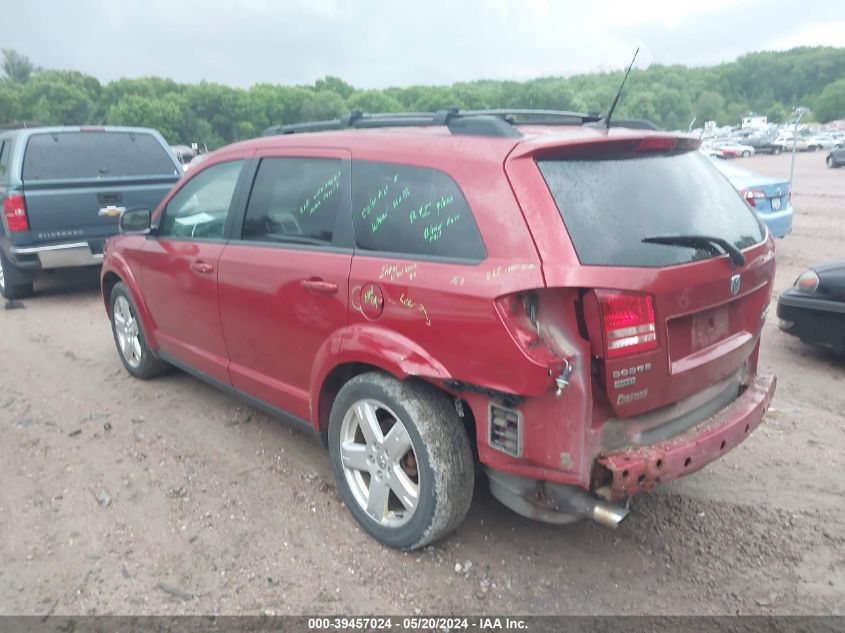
(63, 190)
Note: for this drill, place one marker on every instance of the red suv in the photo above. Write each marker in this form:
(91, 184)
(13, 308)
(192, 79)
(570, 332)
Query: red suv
(578, 309)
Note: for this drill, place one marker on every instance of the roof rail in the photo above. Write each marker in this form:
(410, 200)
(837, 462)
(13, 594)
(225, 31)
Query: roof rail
(496, 123)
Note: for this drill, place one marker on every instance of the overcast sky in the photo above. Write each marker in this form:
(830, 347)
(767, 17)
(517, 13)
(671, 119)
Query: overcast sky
(379, 43)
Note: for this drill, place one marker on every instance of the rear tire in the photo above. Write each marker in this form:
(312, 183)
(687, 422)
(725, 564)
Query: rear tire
(401, 459)
(129, 338)
(10, 276)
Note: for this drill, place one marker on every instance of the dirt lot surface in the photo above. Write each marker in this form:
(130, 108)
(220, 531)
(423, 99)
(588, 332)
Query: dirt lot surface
(130, 497)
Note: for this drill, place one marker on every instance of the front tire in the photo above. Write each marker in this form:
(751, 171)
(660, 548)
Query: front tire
(776, 151)
(746, 154)
(129, 338)
(831, 163)
(10, 286)
(401, 459)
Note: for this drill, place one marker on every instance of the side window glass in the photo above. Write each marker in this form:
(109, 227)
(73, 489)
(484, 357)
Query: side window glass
(412, 211)
(200, 208)
(295, 200)
(3, 145)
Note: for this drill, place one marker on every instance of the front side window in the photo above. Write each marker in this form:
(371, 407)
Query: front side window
(295, 201)
(412, 211)
(200, 208)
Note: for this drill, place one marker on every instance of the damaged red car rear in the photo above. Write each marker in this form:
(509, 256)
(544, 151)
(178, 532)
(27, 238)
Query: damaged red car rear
(577, 308)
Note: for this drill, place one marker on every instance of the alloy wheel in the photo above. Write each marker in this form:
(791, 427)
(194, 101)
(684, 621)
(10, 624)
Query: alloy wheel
(127, 332)
(379, 463)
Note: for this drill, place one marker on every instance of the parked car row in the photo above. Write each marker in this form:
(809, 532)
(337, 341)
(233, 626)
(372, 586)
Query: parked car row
(464, 290)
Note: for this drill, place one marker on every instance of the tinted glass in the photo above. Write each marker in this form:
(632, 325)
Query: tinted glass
(295, 200)
(412, 211)
(95, 155)
(609, 206)
(200, 208)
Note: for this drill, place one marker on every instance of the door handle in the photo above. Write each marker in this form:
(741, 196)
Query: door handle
(203, 268)
(319, 286)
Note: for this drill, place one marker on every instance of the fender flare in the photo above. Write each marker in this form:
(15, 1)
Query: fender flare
(370, 344)
(120, 267)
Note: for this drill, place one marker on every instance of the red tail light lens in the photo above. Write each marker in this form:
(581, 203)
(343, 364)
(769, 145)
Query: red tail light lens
(15, 211)
(628, 319)
(656, 144)
(752, 195)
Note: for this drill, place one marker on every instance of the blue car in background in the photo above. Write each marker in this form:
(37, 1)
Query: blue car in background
(769, 197)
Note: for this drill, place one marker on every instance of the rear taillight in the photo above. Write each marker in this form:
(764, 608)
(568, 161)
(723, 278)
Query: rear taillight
(752, 195)
(14, 210)
(628, 320)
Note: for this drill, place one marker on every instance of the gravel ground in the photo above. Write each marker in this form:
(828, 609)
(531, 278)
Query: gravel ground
(167, 497)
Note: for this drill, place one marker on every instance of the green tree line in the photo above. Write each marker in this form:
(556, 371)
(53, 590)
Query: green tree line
(770, 83)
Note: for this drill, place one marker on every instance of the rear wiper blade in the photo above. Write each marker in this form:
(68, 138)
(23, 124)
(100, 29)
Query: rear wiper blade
(700, 241)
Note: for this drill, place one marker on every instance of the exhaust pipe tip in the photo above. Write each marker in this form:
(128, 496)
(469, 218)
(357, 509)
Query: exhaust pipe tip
(608, 515)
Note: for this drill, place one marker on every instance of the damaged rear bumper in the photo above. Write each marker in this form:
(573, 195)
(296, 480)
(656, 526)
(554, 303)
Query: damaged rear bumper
(625, 472)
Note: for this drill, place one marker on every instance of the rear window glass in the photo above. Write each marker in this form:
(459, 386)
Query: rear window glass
(412, 211)
(609, 206)
(95, 155)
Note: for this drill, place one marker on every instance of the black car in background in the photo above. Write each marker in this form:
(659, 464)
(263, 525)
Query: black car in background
(836, 158)
(813, 309)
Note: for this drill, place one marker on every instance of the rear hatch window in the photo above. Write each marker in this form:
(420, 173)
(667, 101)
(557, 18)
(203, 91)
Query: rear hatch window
(95, 155)
(610, 205)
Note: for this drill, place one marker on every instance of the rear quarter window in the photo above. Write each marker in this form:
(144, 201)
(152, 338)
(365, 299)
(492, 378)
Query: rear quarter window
(609, 205)
(94, 155)
(2, 158)
(413, 212)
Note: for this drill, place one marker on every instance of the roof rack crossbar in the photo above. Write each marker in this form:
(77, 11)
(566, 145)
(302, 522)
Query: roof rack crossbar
(498, 122)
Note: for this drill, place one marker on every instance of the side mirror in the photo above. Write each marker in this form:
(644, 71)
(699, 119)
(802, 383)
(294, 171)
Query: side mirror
(135, 222)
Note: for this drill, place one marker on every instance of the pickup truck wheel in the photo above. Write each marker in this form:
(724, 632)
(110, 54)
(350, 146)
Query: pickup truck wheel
(129, 337)
(9, 287)
(401, 459)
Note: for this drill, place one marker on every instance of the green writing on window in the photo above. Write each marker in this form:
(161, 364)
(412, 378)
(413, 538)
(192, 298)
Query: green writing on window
(422, 212)
(444, 202)
(313, 202)
(433, 232)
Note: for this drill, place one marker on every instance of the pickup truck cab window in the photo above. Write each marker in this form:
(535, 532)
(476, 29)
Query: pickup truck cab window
(200, 208)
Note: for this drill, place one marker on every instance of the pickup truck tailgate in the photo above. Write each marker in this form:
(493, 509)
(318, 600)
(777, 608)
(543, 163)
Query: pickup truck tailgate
(59, 211)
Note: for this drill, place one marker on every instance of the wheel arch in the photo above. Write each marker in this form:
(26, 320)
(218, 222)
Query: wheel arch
(119, 272)
(344, 372)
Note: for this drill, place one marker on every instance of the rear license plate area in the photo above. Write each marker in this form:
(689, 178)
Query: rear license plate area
(776, 203)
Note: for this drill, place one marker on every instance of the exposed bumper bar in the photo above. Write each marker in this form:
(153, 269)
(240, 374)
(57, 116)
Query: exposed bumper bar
(61, 255)
(644, 467)
(550, 502)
